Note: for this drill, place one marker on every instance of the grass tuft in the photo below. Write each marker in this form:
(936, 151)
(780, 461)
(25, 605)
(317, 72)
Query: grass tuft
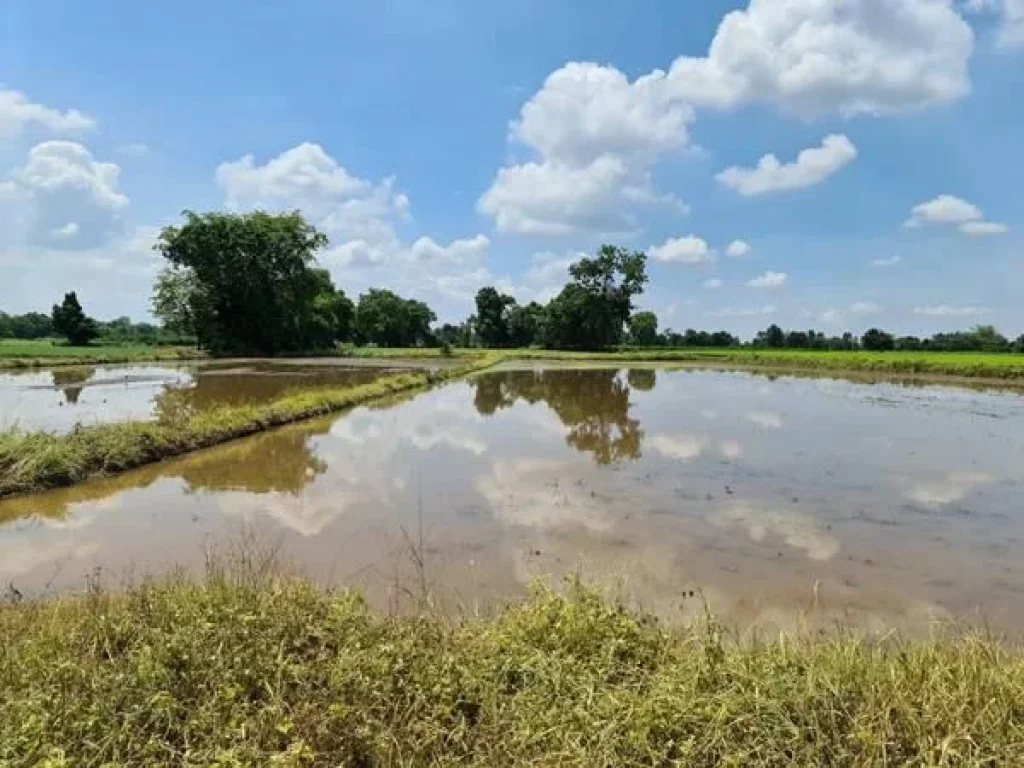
(267, 671)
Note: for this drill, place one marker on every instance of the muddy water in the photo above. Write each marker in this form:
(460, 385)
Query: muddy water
(786, 502)
(56, 400)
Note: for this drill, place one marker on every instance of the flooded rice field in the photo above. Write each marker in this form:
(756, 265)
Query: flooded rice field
(782, 502)
(58, 399)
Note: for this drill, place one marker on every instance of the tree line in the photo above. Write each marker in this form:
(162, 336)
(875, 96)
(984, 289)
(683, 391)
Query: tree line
(250, 284)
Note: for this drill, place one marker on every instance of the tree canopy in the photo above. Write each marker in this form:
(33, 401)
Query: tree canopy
(68, 319)
(386, 319)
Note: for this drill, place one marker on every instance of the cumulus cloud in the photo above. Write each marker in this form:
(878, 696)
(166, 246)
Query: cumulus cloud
(17, 113)
(769, 280)
(811, 167)
(683, 250)
(64, 197)
(737, 248)
(593, 129)
(864, 308)
(1011, 20)
(713, 283)
(954, 211)
(813, 57)
(946, 310)
(361, 217)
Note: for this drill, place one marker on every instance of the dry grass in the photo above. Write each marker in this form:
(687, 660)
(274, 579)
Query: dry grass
(249, 669)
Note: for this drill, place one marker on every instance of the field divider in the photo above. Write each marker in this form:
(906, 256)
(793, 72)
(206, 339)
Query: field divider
(38, 461)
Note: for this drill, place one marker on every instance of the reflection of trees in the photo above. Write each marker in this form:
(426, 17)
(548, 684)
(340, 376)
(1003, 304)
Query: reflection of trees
(592, 404)
(642, 379)
(276, 461)
(71, 381)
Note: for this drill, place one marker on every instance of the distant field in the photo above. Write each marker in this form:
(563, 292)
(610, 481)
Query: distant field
(974, 364)
(21, 353)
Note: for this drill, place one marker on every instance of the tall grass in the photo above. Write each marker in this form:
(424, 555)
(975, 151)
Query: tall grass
(41, 460)
(255, 670)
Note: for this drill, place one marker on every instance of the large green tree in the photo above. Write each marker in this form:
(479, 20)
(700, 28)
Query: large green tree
(248, 283)
(592, 310)
(386, 319)
(70, 320)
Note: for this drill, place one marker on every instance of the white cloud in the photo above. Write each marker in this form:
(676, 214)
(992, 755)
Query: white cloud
(945, 310)
(982, 228)
(17, 113)
(832, 317)
(864, 308)
(1011, 16)
(797, 529)
(62, 195)
(683, 250)
(769, 280)
(713, 283)
(361, 218)
(812, 57)
(591, 127)
(944, 209)
(737, 248)
(890, 261)
(731, 449)
(767, 309)
(952, 210)
(811, 167)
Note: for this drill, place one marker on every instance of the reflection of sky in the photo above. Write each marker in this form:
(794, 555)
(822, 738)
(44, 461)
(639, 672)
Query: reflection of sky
(717, 480)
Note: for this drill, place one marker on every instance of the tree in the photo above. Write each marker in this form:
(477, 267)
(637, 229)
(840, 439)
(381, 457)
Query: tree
(69, 320)
(877, 340)
(332, 313)
(492, 316)
(183, 304)
(643, 329)
(386, 319)
(526, 324)
(253, 270)
(594, 307)
(772, 337)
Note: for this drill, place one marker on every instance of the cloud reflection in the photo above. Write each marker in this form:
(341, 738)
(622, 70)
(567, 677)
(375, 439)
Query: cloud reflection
(954, 487)
(797, 529)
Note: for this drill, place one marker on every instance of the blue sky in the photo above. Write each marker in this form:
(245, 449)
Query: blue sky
(448, 145)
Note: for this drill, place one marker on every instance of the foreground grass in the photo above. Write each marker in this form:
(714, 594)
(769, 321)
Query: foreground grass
(36, 461)
(16, 353)
(239, 672)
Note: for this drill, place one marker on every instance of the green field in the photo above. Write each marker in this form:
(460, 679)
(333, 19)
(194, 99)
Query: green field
(245, 669)
(18, 353)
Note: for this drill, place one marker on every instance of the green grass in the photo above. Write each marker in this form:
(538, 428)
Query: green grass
(260, 671)
(35, 461)
(16, 353)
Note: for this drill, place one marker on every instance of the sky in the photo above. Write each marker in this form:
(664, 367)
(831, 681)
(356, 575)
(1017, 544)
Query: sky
(836, 164)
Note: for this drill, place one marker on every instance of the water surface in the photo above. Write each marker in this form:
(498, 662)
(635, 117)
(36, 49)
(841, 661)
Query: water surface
(782, 503)
(58, 399)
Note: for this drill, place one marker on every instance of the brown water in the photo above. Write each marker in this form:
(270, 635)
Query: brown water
(58, 399)
(783, 502)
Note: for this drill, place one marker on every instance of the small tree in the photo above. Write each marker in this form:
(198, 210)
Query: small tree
(877, 340)
(643, 329)
(69, 320)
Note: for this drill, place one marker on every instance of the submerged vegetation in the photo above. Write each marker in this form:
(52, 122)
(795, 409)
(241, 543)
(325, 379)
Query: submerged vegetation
(245, 669)
(37, 461)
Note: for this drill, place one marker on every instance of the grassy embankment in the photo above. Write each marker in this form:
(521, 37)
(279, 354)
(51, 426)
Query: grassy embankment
(257, 671)
(35, 461)
(15, 353)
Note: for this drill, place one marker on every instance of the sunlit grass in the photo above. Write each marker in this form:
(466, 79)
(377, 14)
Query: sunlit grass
(249, 669)
(37, 461)
(17, 353)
